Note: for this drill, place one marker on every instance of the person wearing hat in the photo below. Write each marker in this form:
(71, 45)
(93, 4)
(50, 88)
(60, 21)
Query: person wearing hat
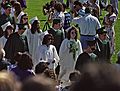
(47, 52)
(102, 45)
(70, 49)
(34, 36)
(5, 17)
(57, 33)
(16, 43)
(7, 30)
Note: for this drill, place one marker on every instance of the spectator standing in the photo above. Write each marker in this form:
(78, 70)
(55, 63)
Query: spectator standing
(108, 22)
(68, 18)
(78, 9)
(59, 14)
(88, 26)
(95, 8)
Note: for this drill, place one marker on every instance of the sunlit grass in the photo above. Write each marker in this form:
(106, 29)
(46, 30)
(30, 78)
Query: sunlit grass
(34, 8)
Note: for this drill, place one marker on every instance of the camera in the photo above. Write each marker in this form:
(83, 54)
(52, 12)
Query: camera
(48, 8)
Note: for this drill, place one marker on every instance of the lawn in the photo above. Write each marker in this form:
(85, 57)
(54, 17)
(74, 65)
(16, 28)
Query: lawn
(34, 8)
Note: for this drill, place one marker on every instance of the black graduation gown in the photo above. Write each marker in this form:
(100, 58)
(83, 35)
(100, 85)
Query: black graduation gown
(58, 38)
(14, 44)
(102, 51)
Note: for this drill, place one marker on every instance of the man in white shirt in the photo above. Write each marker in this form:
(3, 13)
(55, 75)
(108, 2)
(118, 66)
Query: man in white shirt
(88, 26)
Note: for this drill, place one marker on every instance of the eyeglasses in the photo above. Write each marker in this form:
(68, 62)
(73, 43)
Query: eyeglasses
(25, 18)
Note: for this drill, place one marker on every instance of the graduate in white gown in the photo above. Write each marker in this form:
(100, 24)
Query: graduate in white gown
(33, 36)
(69, 51)
(47, 52)
(7, 30)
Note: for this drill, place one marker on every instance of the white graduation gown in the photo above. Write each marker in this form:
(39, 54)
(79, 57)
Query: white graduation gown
(67, 62)
(34, 41)
(47, 53)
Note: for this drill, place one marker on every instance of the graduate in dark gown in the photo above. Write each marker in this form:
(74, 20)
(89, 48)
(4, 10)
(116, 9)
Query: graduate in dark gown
(86, 57)
(16, 43)
(57, 33)
(102, 45)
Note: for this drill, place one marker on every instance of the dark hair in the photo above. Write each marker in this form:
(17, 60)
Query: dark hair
(17, 56)
(58, 7)
(49, 73)
(40, 67)
(82, 59)
(64, 5)
(21, 21)
(18, 8)
(78, 3)
(6, 32)
(45, 39)
(69, 31)
(87, 10)
(109, 6)
(25, 61)
(34, 27)
(74, 76)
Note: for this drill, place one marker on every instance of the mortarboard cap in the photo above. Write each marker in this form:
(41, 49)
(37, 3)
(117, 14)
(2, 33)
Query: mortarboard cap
(56, 21)
(4, 26)
(101, 30)
(33, 19)
(19, 16)
(7, 5)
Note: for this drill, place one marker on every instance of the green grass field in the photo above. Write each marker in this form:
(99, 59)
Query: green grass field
(34, 8)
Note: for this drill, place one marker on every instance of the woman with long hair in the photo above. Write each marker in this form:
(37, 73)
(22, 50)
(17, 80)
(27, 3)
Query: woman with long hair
(70, 49)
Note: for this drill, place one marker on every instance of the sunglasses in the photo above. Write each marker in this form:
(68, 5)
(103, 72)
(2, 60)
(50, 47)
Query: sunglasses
(25, 18)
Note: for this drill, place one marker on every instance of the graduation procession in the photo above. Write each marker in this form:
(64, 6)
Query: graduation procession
(74, 51)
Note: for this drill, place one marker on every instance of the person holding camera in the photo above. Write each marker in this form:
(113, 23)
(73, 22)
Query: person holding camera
(58, 14)
(78, 9)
